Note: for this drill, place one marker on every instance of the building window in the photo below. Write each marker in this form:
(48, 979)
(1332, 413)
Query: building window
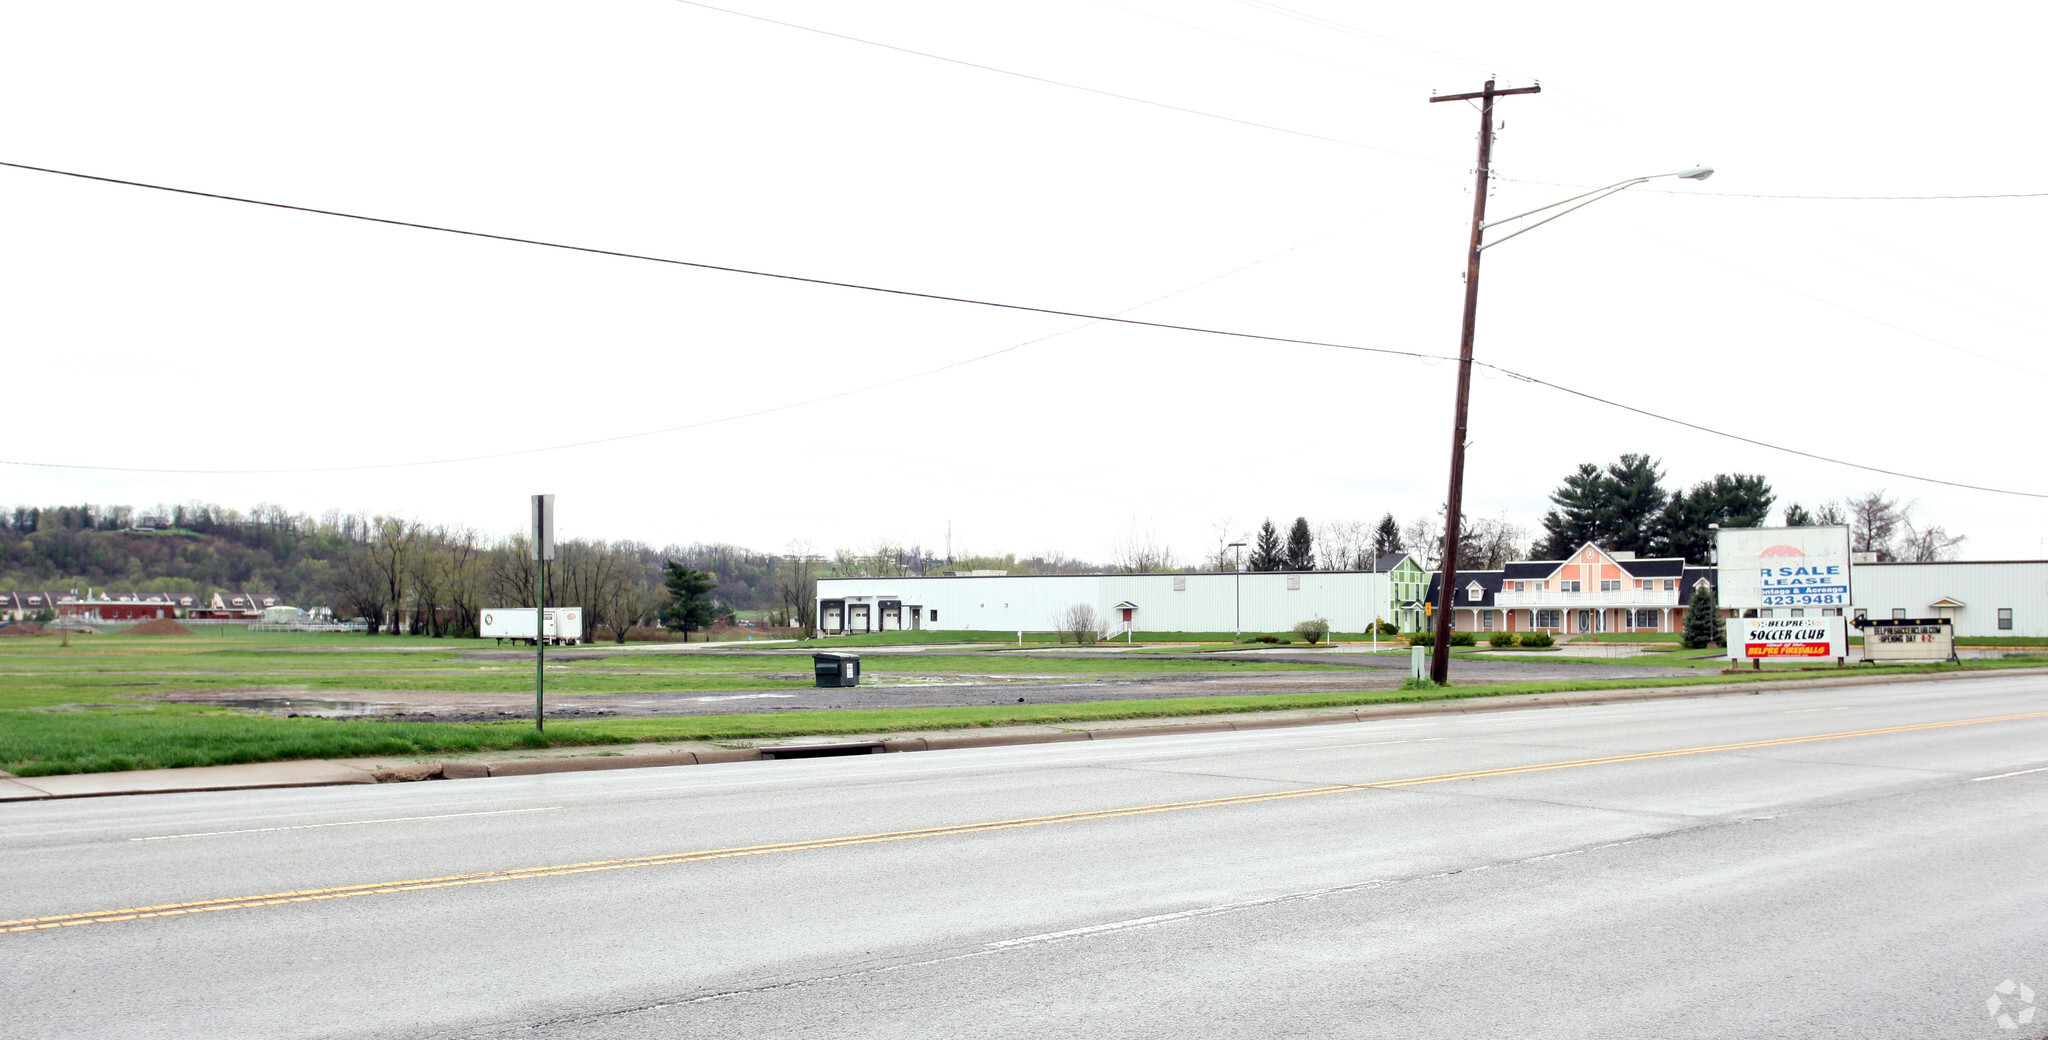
(1644, 619)
(1798, 612)
(1546, 619)
(1830, 612)
(1486, 620)
(1180, 583)
(1862, 614)
(1294, 583)
(2005, 619)
(1671, 584)
(1473, 592)
(1567, 586)
(1519, 585)
(1610, 584)
(1898, 613)
(935, 615)
(1764, 613)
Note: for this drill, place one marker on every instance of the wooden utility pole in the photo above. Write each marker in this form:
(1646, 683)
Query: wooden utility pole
(1440, 655)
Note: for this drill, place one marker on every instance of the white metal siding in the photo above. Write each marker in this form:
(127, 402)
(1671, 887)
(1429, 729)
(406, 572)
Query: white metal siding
(1982, 587)
(1210, 603)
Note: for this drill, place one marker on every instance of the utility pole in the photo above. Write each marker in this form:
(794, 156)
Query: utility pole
(1440, 655)
(543, 551)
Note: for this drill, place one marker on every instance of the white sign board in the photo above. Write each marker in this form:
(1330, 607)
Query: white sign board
(1787, 639)
(517, 623)
(1767, 568)
(1918, 639)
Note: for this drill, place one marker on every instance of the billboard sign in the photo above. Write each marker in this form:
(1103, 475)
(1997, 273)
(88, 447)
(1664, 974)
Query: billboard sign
(1766, 568)
(1771, 639)
(1909, 639)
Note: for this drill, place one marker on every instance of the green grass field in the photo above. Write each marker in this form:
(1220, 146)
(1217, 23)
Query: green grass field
(88, 707)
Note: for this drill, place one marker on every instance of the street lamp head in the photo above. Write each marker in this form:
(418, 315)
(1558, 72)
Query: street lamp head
(1697, 173)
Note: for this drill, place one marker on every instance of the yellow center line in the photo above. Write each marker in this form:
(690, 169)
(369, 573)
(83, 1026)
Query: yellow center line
(138, 913)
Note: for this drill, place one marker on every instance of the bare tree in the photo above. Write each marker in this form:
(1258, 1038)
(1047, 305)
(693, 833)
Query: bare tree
(1222, 557)
(1425, 539)
(1079, 622)
(1343, 545)
(1930, 544)
(1140, 551)
(796, 585)
(1873, 521)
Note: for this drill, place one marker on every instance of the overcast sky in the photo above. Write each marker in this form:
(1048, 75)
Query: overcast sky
(1269, 168)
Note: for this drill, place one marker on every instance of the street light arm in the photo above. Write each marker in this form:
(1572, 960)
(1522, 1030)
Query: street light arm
(1697, 173)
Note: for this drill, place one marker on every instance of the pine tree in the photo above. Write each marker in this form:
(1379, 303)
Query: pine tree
(1703, 624)
(1635, 502)
(1729, 499)
(690, 605)
(1266, 552)
(1386, 538)
(1577, 518)
(1301, 555)
(1797, 515)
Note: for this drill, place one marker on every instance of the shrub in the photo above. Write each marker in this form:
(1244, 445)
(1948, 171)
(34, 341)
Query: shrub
(1422, 639)
(1265, 639)
(1501, 639)
(1537, 639)
(1462, 639)
(1315, 630)
(1388, 628)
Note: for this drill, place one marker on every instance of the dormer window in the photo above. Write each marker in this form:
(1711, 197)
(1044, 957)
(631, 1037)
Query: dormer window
(1474, 592)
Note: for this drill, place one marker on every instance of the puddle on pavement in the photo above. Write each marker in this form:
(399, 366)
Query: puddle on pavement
(294, 705)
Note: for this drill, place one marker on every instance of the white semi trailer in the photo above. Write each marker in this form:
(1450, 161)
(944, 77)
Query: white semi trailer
(565, 624)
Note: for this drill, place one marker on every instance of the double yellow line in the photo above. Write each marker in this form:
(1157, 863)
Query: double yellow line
(312, 895)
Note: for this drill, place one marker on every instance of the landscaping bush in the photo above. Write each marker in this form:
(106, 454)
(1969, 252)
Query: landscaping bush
(1501, 639)
(1463, 639)
(1422, 639)
(1315, 630)
(1388, 628)
(1265, 639)
(1537, 639)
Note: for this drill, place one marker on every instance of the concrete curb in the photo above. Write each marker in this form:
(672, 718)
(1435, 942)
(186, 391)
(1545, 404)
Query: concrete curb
(318, 773)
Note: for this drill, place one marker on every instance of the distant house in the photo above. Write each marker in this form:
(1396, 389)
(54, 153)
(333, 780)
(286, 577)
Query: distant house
(111, 607)
(237, 606)
(23, 606)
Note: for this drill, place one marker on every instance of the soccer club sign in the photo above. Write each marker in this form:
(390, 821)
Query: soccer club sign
(1770, 639)
(1773, 568)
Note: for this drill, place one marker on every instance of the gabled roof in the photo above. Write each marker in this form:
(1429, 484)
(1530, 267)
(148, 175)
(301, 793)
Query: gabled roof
(1389, 561)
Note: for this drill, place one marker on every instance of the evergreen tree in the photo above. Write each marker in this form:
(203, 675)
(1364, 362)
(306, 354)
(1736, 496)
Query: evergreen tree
(1703, 624)
(1635, 503)
(1301, 554)
(689, 593)
(1731, 500)
(1796, 515)
(1577, 518)
(1267, 554)
(1386, 538)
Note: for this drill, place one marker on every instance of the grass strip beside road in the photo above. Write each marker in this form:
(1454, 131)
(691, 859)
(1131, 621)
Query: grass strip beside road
(135, 736)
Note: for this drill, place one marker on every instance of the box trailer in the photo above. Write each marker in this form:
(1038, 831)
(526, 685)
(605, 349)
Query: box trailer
(565, 624)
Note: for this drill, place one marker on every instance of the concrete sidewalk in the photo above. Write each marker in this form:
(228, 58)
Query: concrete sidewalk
(320, 773)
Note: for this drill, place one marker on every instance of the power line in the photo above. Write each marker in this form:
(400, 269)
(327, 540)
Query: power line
(913, 294)
(1062, 83)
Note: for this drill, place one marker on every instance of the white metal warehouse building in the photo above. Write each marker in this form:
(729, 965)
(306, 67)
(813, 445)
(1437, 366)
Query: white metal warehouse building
(1982, 598)
(1271, 601)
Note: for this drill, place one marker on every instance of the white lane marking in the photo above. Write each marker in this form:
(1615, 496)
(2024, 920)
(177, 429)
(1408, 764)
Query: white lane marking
(2001, 776)
(345, 823)
(1802, 711)
(1117, 926)
(1374, 743)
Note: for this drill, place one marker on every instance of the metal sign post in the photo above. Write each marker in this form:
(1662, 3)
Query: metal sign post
(543, 551)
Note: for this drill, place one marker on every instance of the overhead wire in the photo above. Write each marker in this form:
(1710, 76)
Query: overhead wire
(909, 293)
(1070, 86)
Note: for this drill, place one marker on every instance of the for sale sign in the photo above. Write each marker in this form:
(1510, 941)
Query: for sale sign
(1765, 639)
(1769, 568)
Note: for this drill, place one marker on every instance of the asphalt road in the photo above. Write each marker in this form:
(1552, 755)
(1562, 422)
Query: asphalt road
(1851, 862)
